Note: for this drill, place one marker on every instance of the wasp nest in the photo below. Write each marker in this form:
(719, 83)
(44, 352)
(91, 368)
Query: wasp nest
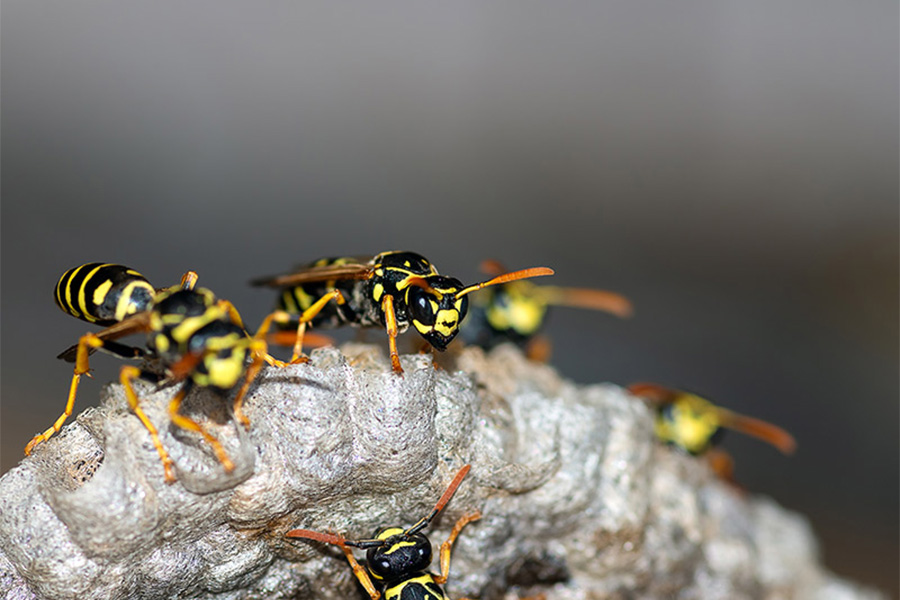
(578, 499)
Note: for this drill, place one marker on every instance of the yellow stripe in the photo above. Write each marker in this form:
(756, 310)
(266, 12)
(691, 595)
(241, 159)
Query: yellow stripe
(69, 304)
(82, 293)
(126, 306)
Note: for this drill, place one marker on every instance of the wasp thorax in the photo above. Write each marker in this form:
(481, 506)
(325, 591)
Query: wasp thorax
(399, 556)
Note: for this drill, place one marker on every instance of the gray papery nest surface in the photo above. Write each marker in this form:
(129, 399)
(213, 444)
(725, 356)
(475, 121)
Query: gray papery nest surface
(579, 500)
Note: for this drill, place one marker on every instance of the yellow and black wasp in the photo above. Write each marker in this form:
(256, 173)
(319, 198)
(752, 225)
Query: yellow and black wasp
(398, 559)
(696, 425)
(192, 337)
(393, 290)
(516, 311)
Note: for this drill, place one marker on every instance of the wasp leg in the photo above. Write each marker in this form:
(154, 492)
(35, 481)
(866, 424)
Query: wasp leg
(233, 313)
(539, 349)
(279, 316)
(126, 375)
(722, 464)
(308, 315)
(447, 546)
(360, 573)
(259, 350)
(189, 424)
(86, 344)
(390, 320)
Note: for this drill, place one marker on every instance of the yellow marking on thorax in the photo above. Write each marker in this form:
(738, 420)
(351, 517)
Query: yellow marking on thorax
(161, 342)
(190, 325)
(425, 580)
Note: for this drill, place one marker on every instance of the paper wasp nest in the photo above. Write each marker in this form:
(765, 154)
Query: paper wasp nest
(579, 501)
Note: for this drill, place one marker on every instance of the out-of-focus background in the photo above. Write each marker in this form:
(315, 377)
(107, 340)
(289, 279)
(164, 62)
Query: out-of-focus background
(730, 166)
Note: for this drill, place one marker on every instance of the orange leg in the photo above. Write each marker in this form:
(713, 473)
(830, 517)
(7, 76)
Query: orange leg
(259, 351)
(390, 320)
(191, 425)
(233, 313)
(447, 546)
(307, 316)
(539, 349)
(279, 316)
(360, 573)
(85, 344)
(126, 375)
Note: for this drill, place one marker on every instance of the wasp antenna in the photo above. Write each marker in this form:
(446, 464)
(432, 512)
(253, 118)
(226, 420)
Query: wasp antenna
(610, 302)
(445, 498)
(420, 282)
(761, 430)
(327, 538)
(507, 277)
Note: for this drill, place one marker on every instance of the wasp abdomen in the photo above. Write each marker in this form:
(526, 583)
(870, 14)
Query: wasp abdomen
(103, 293)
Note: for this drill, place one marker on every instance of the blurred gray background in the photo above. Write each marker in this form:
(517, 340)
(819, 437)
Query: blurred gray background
(731, 166)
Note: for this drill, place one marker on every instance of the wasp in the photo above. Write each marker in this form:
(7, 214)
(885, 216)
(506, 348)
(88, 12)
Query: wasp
(516, 311)
(696, 425)
(392, 290)
(192, 337)
(398, 559)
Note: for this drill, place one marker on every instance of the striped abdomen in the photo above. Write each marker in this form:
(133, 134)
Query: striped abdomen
(103, 293)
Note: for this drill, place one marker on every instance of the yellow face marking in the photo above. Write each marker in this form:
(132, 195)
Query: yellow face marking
(377, 292)
(389, 532)
(447, 321)
(693, 421)
(399, 545)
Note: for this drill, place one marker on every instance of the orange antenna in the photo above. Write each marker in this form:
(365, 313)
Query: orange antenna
(328, 538)
(523, 274)
(761, 430)
(610, 302)
(448, 493)
(421, 282)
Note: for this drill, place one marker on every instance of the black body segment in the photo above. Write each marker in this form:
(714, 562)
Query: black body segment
(103, 293)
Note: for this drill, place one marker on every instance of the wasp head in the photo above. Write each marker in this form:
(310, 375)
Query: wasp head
(435, 309)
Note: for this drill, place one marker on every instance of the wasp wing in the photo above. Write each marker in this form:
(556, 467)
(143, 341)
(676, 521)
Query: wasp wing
(316, 273)
(138, 323)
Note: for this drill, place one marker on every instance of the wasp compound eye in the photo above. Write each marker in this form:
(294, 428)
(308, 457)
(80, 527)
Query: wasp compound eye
(423, 306)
